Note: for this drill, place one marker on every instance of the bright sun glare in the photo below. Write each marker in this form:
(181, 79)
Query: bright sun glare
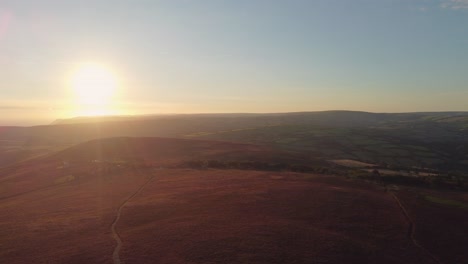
(93, 86)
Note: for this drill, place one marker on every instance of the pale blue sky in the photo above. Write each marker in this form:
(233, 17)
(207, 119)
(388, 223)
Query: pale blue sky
(236, 56)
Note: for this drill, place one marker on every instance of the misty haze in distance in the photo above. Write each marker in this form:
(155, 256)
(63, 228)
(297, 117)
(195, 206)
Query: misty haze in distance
(230, 56)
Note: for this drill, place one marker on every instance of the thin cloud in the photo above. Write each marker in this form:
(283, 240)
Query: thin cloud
(455, 4)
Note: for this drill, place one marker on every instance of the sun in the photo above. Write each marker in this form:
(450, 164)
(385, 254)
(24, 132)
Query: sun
(94, 87)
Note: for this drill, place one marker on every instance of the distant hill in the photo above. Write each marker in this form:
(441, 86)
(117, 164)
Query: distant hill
(81, 129)
(409, 139)
(327, 118)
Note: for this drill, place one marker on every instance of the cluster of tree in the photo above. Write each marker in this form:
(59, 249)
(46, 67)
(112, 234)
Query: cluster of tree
(255, 165)
(449, 180)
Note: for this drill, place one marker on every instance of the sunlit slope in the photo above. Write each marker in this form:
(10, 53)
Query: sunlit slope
(86, 160)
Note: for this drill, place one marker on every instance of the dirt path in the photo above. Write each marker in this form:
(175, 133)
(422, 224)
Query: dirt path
(115, 235)
(411, 230)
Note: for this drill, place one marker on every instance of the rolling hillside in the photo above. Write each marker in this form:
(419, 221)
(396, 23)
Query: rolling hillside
(436, 140)
(134, 188)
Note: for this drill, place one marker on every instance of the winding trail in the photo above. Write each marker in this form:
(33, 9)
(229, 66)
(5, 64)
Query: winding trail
(115, 235)
(411, 230)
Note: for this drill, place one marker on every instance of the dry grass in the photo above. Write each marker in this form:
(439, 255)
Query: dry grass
(352, 163)
(207, 216)
(218, 216)
(441, 223)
